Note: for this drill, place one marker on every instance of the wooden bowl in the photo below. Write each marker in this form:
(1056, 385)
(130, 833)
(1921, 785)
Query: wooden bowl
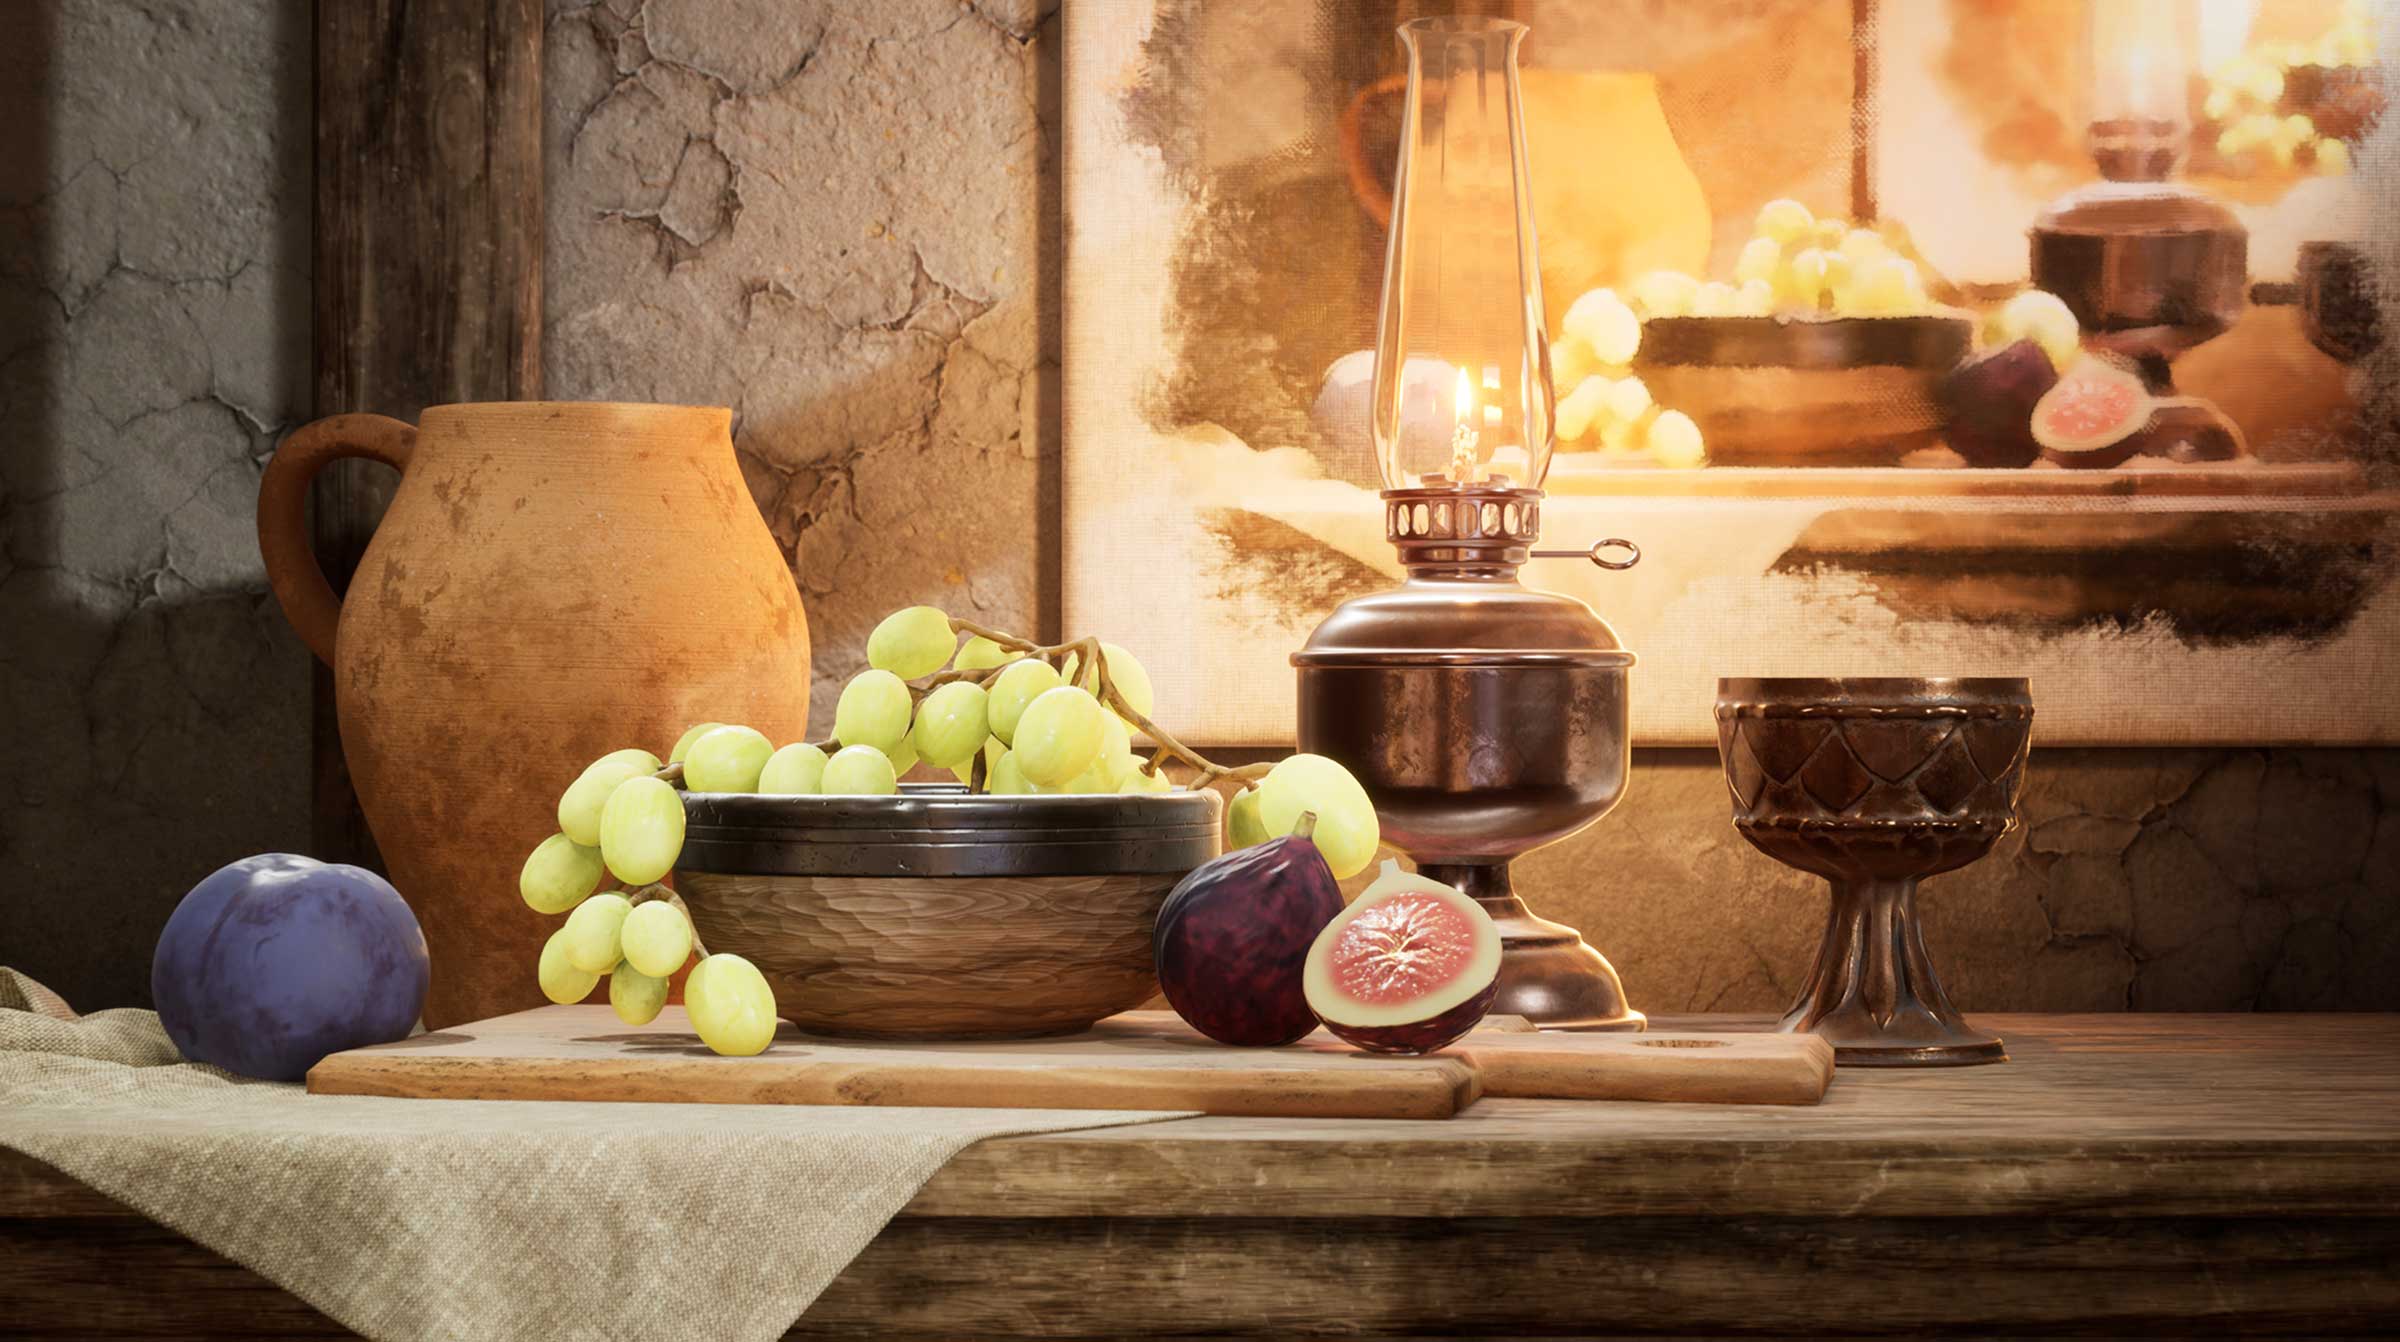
(1800, 391)
(938, 915)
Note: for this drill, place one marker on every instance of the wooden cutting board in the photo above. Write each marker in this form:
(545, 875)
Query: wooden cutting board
(1140, 1060)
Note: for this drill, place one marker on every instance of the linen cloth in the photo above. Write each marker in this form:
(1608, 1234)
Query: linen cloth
(408, 1219)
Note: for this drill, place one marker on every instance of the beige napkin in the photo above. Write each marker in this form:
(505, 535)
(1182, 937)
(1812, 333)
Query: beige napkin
(466, 1219)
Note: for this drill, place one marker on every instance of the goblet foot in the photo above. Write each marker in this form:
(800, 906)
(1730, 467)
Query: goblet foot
(1548, 974)
(1872, 992)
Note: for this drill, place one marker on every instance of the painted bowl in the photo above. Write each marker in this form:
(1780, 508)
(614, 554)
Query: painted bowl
(938, 915)
(1783, 391)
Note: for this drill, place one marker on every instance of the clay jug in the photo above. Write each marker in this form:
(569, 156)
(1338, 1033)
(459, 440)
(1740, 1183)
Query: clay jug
(553, 581)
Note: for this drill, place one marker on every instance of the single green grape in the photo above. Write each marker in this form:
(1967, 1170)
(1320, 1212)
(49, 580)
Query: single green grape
(911, 643)
(1007, 780)
(1127, 674)
(1019, 685)
(561, 981)
(727, 760)
(1059, 735)
(859, 771)
(1122, 766)
(1760, 259)
(641, 831)
(1346, 831)
(1134, 780)
(1243, 828)
(730, 1005)
(1099, 776)
(873, 711)
(951, 725)
(580, 805)
(2040, 317)
(1785, 221)
(796, 770)
(657, 938)
(636, 996)
(903, 757)
(1116, 736)
(559, 875)
(982, 654)
(683, 743)
(594, 932)
(964, 771)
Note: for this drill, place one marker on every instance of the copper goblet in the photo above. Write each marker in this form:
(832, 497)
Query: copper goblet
(1875, 784)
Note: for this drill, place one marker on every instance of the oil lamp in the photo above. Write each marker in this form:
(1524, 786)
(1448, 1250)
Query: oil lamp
(1485, 719)
(2150, 267)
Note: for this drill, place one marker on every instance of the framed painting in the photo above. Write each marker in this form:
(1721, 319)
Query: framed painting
(2192, 541)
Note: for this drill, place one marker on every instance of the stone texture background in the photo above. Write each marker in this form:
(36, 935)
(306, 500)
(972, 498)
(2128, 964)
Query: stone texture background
(154, 191)
(842, 220)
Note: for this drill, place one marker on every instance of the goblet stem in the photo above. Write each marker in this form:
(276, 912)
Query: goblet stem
(1873, 992)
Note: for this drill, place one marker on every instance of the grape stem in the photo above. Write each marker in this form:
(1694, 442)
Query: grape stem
(1086, 653)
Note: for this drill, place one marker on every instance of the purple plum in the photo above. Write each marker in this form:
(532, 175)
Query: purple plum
(275, 961)
(1233, 938)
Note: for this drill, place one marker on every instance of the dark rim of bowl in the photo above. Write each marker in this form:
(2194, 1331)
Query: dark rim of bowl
(1930, 342)
(939, 830)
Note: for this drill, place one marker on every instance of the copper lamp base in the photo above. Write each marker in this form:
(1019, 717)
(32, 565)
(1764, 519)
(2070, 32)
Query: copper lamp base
(1548, 974)
(1485, 720)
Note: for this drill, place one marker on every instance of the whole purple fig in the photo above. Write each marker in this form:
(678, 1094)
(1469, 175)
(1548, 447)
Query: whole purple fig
(276, 960)
(1233, 937)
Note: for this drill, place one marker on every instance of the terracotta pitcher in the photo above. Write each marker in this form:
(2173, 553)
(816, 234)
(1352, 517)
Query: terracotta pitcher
(553, 581)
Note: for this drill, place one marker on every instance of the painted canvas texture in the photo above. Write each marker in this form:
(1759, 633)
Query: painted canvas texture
(2229, 576)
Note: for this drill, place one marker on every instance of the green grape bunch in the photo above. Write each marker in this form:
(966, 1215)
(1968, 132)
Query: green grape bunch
(1004, 715)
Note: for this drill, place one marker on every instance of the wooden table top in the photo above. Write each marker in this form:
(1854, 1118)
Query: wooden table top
(2181, 1114)
(2121, 1175)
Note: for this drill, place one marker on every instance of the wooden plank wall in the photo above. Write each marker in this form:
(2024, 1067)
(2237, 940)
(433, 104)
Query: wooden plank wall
(428, 260)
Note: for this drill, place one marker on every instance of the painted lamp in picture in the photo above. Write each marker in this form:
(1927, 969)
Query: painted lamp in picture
(1875, 784)
(1483, 718)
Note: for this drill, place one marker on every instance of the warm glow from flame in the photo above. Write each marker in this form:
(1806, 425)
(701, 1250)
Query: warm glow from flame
(1464, 435)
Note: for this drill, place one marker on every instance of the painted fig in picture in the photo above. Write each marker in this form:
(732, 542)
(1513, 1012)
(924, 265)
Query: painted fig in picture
(276, 961)
(1233, 936)
(1990, 398)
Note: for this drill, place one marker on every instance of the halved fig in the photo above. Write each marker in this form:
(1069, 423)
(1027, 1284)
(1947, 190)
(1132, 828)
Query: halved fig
(2188, 429)
(2093, 418)
(1409, 967)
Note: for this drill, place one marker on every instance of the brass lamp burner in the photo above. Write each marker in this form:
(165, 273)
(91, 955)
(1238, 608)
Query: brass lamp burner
(1485, 720)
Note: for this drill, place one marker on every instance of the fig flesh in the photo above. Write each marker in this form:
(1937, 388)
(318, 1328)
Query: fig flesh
(2093, 418)
(1233, 937)
(1990, 397)
(1409, 967)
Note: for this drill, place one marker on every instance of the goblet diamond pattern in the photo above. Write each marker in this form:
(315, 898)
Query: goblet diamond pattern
(1874, 785)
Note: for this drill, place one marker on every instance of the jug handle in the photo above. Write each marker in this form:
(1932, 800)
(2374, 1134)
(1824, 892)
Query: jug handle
(283, 537)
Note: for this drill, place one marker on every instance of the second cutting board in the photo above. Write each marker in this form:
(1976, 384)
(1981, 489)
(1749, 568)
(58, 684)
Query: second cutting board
(1140, 1060)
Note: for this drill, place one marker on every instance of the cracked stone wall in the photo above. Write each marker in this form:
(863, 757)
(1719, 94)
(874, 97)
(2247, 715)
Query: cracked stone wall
(2150, 880)
(153, 328)
(837, 219)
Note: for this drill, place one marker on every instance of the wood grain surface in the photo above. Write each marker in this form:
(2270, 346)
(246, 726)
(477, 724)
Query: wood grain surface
(938, 957)
(1139, 1060)
(428, 263)
(2122, 1175)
